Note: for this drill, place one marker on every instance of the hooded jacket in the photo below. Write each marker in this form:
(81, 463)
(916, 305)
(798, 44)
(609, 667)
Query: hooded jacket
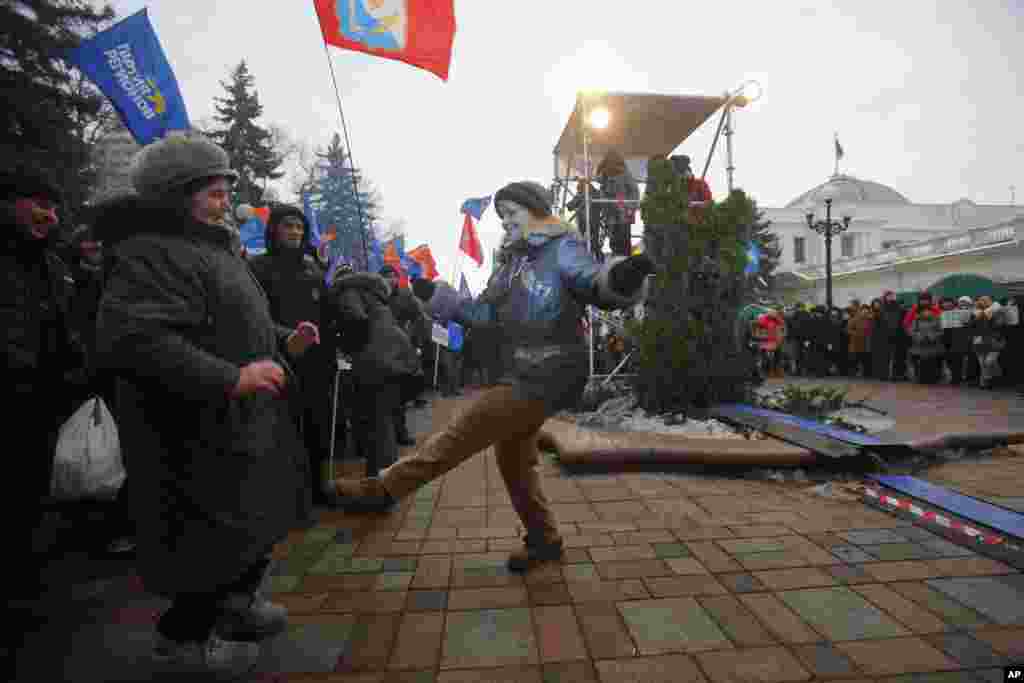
(926, 333)
(219, 480)
(536, 297)
(294, 284)
(381, 351)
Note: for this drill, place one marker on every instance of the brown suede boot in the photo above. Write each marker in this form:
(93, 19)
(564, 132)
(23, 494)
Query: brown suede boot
(533, 553)
(366, 494)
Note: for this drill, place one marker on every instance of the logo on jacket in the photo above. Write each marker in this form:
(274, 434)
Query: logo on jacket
(378, 24)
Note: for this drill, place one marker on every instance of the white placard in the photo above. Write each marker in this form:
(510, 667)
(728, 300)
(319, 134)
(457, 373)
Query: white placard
(439, 335)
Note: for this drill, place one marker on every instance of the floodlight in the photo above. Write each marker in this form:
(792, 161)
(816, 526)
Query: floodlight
(600, 118)
(747, 93)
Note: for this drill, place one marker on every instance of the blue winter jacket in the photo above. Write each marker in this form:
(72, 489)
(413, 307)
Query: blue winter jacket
(537, 297)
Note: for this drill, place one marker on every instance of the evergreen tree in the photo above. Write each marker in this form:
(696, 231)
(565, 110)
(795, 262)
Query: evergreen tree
(249, 146)
(350, 216)
(690, 355)
(51, 113)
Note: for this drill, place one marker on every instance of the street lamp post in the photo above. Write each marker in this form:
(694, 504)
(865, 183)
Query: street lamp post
(828, 228)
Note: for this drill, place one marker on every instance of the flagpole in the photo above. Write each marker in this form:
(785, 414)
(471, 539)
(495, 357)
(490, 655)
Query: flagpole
(348, 145)
(836, 152)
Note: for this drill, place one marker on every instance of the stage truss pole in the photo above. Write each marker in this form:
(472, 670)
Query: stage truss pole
(586, 218)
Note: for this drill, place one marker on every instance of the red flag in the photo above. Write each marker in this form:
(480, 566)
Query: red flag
(423, 256)
(392, 259)
(470, 243)
(417, 32)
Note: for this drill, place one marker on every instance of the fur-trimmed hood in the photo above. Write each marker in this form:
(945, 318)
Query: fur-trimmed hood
(370, 282)
(540, 233)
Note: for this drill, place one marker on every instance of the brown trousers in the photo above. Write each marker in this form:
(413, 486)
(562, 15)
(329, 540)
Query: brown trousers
(498, 418)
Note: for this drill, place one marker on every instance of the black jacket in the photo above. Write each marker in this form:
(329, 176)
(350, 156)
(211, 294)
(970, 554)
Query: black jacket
(218, 480)
(43, 355)
(294, 284)
(381, 351)
(889, 326)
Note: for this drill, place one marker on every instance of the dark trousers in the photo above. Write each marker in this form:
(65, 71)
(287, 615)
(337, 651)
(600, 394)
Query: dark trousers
(955, 361)
(929, 369)
(317, 402)
(375, 423)
(861, 362)
(192, 616)
(618, 239)
(890, 361)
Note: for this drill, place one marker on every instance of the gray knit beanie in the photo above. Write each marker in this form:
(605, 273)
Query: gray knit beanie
(169, 164)
(533, 196)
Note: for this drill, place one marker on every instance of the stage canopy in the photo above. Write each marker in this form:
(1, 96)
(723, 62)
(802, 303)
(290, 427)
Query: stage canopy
(641, 125)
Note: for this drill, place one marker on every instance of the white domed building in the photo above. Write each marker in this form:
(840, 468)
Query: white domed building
(891, 243)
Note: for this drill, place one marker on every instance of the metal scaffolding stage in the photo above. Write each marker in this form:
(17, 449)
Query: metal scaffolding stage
(638, 126)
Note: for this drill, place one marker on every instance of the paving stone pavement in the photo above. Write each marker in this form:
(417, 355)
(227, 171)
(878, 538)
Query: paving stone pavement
(666, 577)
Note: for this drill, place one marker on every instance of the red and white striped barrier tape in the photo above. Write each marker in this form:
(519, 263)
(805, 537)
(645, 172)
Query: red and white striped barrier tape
(936, 518)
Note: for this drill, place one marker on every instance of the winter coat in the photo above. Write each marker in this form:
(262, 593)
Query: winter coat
(217, 480)
(410, 316)
(616, 187)
(381, 352)
(43, 356)
(772, 329)
(294, 284)
(986, 331)
(926, 336)
(859, 328)
(537, 300)
(911, 316)
(889, 330)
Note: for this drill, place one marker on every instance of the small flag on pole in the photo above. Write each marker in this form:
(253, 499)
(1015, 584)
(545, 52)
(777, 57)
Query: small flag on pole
(753, 259)
(839, 149)
(470, 242)
(417, 32)
(476, 207)
(423, 257)
(314, 225)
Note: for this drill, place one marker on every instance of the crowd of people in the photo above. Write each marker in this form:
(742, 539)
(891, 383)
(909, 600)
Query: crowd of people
(233, 380)
(962, 341)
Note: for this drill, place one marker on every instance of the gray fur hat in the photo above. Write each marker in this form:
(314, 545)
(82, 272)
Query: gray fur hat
(176, 161)
(529, 194)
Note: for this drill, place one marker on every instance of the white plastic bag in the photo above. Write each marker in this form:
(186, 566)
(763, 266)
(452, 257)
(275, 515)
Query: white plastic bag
(88, 464)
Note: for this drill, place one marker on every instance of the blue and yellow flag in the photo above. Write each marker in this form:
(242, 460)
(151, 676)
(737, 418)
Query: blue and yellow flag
(127, 63)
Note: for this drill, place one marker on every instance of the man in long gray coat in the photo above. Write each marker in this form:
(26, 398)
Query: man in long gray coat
(218, 470)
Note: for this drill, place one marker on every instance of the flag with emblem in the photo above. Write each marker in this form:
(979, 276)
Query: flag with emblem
(417, 32)
(127, 63)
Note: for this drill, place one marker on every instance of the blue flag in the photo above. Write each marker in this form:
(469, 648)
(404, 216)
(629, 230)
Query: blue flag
(376, 256)
(254, 233)
(476, 207)
(464, 289)
(127, 63)
(455, 336)
(314, 224)
(753, 259)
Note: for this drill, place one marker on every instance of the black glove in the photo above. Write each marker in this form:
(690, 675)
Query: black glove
(628, 276)
(423, 289)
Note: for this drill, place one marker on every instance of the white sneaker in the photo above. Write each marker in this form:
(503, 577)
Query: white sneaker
(223, 659)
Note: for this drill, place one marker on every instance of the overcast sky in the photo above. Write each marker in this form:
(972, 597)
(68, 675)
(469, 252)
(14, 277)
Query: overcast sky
(925, 94)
